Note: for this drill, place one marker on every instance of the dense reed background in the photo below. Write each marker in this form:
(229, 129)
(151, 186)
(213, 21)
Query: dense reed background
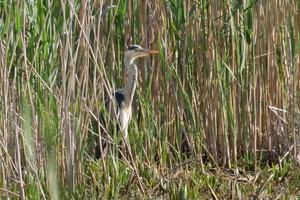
(219, 103)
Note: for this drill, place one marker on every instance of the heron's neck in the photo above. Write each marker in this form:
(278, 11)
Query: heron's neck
(130, 87)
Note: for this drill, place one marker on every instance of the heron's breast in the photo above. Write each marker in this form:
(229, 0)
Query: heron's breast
(125, 117)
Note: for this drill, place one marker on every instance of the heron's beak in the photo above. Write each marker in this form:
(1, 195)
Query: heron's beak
(148, 51)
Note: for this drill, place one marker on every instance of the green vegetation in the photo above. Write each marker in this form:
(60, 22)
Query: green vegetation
(216, 113)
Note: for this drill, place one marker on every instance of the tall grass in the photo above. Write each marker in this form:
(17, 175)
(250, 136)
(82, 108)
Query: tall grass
(223, 92)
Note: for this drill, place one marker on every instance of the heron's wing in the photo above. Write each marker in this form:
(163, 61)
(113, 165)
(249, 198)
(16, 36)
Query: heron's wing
(110, 120)
(100, 127)
(113, 107)
(107, 118)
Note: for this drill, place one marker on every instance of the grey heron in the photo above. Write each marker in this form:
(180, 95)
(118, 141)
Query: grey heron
(120, 105)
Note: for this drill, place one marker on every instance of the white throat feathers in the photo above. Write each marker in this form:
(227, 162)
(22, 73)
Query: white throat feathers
(132, 72)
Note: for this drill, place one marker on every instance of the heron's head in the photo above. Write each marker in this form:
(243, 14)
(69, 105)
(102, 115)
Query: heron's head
(136, 51)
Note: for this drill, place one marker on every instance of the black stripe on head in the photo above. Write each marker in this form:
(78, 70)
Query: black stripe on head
(133, 47)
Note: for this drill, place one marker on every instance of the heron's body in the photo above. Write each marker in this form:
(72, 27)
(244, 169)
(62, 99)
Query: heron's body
(123, 112)
(120, 106)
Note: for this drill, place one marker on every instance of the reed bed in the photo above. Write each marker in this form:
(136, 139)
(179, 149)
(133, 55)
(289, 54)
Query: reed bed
(216, 113)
